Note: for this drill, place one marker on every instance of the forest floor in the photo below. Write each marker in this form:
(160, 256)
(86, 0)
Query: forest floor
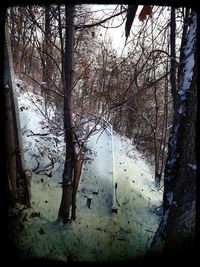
(97, 234)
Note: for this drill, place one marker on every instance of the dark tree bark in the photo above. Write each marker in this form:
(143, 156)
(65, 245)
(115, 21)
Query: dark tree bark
(66, 201)
(186, 14)
(77, 175)
(46, 55)
(17, 180)
(11, 171)
(173, 55)
(176, 232)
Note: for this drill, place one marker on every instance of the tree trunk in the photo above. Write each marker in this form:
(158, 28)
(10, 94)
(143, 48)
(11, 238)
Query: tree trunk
(11, 171)
(176, 232)
(180, 230)
(184, 33)
(66, 201)
(173, 56)
(46, 58)
(77, 175)
(18, 183)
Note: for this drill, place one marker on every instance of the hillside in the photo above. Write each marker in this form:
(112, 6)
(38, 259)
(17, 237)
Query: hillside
(98, 234)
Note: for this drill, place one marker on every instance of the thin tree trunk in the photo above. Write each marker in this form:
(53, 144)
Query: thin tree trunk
(173, 56)
(68, 174)
(46, 53)
(10, 149)
(77, 175)
(18, 179)
(185, 27)
(164, 132)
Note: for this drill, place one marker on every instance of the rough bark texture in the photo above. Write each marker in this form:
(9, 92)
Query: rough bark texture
(173, 55)
(77, 175)
(180, 231)
(10, 151)
(66, 201)
(47, 51)
(176, 233)
(18, 189)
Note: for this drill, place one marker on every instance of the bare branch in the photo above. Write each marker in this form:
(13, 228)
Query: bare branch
(99, 23)
(39, 84)
(140, 93)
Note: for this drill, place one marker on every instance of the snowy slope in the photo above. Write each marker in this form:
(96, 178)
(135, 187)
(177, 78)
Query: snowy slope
(97, 234)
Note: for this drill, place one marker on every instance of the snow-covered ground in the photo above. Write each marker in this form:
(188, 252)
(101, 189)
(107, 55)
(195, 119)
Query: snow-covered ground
(98, 234)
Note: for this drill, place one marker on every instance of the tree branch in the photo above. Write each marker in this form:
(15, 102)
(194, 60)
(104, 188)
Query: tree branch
(142, 91)
(79, 27)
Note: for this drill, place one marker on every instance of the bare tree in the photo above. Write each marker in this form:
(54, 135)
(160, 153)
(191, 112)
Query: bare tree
(68, 68)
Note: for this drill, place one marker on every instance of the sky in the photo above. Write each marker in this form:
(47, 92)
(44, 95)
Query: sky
(117, 35)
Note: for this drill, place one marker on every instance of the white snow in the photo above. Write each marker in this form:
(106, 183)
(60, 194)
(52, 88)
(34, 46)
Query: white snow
(38, 148)
(192, 166)
(182, 109)
(97, 234)
(185, 86)
(169, 196)
(173, 139)
(189, 60)
(158, 240)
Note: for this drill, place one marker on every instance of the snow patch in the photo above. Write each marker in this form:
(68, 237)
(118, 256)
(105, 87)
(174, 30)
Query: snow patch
(173, 137)
(97, 234)
(169, 197)
(181, 110)
(192, 166)
(189, 59)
